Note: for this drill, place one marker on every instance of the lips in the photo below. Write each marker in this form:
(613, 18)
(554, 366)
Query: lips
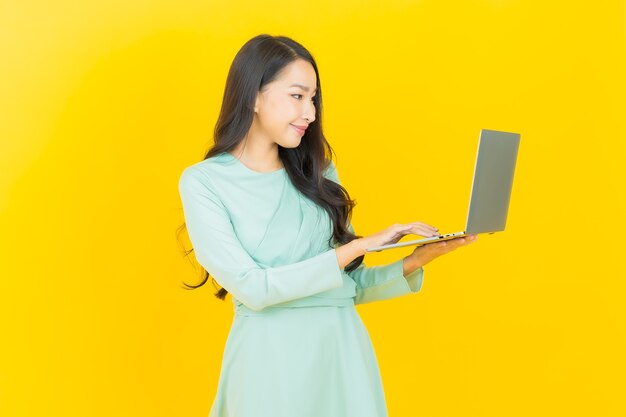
(300, 129)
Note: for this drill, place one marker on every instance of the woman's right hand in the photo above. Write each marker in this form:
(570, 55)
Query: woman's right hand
(395, 232)
(424, 254)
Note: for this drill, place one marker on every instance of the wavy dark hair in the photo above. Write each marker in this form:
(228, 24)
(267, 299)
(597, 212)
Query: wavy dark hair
(259, 62)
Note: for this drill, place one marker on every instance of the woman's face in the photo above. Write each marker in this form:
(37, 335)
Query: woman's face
(287, 102)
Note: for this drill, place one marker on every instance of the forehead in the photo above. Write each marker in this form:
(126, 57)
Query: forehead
(299, 75)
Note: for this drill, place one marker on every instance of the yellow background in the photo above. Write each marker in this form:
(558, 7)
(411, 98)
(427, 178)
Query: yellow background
(104, 103)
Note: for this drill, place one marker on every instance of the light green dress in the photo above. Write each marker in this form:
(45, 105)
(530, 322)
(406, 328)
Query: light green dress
(297, 346)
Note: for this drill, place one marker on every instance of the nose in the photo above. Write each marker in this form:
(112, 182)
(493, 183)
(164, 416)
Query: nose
(309, 115)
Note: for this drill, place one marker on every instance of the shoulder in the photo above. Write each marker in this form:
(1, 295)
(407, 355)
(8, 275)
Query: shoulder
(200, 173)
(330, 171)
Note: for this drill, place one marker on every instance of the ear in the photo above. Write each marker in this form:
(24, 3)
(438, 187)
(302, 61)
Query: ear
(257, 102)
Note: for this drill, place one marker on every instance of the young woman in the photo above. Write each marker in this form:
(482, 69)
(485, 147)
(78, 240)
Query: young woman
(268, 218)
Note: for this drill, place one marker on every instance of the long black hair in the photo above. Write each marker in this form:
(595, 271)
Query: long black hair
(259, 62)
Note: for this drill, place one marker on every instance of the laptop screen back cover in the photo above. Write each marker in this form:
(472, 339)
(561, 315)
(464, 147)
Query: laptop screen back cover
(493, 180)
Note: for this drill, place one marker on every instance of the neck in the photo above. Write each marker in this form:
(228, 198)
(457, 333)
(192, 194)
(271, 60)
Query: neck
(258, 156)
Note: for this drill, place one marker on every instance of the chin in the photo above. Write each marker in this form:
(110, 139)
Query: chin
(291, 144)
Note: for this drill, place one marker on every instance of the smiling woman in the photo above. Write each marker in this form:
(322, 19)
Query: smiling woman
(269, 125)
(266, 123)
(268, 217)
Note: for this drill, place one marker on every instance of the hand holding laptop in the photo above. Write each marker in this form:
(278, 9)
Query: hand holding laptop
(397, 231)
(489, 195)
(426, 253)
(422, 254)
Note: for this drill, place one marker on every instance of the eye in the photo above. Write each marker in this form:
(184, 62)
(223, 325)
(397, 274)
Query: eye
(300, 95)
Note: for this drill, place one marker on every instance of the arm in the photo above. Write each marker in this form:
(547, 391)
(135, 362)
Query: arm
(384, 281)
(377, 283)
(219, 251)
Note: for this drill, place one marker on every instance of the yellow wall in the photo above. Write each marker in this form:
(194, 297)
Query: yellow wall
(104, 104)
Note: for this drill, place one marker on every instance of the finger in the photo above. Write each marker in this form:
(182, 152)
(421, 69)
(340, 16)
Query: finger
(423, 230)
(399, 230)
(426, 228)
(457, 242)
(469, 239)
(441, 245)
(405, 229)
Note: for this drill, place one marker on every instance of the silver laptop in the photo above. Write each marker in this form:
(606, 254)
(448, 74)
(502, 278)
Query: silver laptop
(491, 189)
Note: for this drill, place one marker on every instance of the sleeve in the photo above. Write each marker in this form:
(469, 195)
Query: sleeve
(219, 251)
(377, 283)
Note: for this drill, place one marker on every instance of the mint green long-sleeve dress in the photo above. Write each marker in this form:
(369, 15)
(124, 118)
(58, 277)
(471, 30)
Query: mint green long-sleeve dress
(297, 346)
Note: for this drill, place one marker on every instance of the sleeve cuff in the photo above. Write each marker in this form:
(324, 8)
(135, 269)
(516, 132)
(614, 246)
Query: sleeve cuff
(415, 279)
(395, 286)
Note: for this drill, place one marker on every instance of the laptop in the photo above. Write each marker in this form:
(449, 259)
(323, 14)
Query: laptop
(491, 189)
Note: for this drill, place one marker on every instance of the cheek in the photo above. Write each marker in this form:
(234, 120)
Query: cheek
(287, 106)
(281, 111)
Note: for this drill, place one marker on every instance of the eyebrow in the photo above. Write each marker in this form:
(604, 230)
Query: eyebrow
(304, 87)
